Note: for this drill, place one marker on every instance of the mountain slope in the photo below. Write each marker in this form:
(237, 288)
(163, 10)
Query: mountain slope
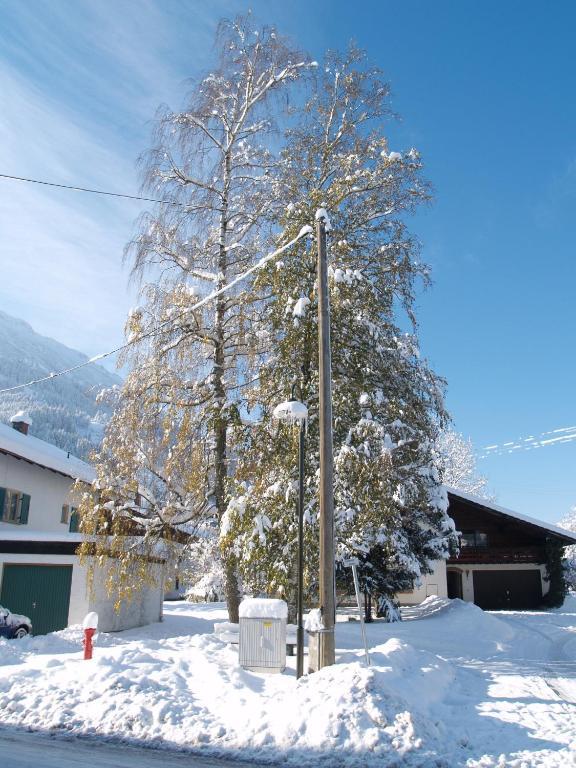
(64, 410)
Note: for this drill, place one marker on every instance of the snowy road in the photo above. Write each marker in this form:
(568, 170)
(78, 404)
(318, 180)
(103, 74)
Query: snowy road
(28, 750)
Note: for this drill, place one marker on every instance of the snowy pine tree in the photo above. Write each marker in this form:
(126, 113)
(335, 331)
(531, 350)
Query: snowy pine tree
(569, 522)
(387, 404)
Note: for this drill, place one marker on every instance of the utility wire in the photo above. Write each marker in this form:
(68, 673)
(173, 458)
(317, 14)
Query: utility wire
(87, 189)
(491, 450)
(307, 230)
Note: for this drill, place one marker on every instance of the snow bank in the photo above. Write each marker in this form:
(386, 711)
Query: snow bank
(263, 608)
(10, 653)
(198, 696)
(423, 678)
(446, 688)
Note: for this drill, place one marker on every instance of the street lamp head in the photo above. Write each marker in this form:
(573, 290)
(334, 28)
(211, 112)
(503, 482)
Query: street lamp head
(292, 411)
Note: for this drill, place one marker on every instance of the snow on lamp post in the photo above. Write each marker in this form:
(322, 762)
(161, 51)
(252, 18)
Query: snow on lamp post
(295, 412)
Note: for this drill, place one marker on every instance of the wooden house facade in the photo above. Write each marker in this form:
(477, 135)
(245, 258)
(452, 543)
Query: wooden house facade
(502, 563)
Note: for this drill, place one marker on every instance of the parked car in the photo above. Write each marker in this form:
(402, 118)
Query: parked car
(12, 625)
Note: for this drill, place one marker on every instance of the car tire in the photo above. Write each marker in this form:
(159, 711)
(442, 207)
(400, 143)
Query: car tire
(21, 632)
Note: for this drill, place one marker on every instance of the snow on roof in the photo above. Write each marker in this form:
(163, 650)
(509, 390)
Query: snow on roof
(44, 454)
(21, 418)
(510, 513)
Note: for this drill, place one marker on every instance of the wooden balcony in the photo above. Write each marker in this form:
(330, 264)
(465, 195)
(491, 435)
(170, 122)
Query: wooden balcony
(474, 555)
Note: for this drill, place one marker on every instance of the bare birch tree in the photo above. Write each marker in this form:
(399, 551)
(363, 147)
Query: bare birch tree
(164, 463)
(457, 460)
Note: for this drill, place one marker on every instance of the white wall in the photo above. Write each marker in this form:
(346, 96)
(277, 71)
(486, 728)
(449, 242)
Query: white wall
(48, 491)
(145, 608)
(432, 584)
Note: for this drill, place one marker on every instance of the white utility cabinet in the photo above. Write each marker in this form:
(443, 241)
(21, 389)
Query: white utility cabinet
(262, 643)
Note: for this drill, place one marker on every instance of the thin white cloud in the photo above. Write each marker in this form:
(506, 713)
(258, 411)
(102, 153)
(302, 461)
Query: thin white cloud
(60, 252)
(544, 440)
(79, 84)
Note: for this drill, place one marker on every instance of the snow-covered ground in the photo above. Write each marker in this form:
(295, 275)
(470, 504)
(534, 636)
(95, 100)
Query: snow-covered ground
(449, 686)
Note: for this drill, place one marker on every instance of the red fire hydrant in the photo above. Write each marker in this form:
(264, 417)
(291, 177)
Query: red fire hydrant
(90, 625)
(88, 635)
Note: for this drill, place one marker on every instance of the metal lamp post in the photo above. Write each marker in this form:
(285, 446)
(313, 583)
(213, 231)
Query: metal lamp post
(293, 411)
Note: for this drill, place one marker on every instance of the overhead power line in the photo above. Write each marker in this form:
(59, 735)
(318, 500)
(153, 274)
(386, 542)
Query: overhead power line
(307, 230)
(87, 189)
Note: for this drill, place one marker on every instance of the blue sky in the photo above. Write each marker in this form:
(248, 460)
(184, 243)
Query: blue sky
(485, 90)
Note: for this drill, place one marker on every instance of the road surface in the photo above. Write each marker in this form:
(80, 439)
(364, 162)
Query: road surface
(25, 749)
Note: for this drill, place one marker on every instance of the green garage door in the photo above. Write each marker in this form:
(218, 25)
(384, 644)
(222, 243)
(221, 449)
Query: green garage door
(41, 592)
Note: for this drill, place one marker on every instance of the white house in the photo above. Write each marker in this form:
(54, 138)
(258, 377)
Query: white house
(40, 573)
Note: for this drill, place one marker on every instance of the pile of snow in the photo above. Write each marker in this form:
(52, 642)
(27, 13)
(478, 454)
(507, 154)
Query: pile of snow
(190, 692)
(449, 686)
(10, 652)
(322, 215)
(263, 608)
(300, 307)
(313, 621)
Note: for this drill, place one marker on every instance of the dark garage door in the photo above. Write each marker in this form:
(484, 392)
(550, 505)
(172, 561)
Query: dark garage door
(507, 590)
(41, 592)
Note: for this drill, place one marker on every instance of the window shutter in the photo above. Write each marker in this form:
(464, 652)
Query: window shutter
(24, 509)
(2, 498)
(74, 522)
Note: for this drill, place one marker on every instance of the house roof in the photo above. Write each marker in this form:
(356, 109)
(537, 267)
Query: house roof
(569, 536)
(43, 454)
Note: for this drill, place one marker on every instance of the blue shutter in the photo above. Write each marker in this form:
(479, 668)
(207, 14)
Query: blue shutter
(74, 522)
(24, 509)
(2, 498)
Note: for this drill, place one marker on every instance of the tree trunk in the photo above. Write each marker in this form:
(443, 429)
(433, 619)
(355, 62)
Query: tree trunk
(367, 607)
(220, 415)
(231, 589)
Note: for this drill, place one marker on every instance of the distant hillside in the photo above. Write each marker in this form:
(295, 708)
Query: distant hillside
(64, 410)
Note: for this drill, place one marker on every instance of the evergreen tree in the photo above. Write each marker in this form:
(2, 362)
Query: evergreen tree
(556, 576)
(164, 463)
(569, 562)
(387, 404)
